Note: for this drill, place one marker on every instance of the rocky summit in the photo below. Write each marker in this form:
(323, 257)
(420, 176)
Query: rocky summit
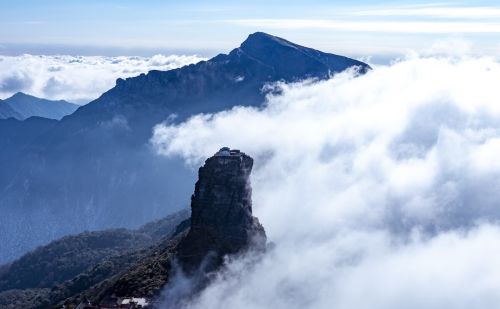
(221, 211)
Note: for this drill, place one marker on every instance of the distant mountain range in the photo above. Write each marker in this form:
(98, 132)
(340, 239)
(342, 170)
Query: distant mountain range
(95, 168)
(22, 106)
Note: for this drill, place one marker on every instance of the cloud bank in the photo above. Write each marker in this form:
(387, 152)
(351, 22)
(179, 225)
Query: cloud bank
(408, 27)
(439, 11)
(379, 191)
(78, 79)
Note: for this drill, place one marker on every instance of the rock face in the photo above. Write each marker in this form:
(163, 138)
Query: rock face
(221, 211)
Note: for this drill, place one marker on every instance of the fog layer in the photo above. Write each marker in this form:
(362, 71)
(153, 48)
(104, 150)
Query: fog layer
(379, 191)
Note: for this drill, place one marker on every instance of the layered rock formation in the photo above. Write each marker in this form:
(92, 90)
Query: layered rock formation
(221, 211)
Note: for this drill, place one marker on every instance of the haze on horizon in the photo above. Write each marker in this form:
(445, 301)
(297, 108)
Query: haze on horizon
(379, 29)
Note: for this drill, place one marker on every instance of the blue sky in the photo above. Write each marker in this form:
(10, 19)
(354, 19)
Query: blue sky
(356, 28)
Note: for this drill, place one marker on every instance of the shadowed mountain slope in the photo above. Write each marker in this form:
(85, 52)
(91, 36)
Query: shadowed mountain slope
(95, 168)
(70, 256)
(8, 112)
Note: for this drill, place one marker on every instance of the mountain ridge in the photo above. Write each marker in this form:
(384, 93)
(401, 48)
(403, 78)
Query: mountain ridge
(235, 64)
(90, 170)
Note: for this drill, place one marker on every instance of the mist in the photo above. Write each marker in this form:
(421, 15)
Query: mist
(379, 191)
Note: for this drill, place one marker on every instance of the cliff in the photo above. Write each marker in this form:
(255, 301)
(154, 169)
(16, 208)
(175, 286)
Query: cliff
(221, 211)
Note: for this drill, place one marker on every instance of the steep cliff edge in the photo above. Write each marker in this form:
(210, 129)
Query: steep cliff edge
(221, 211)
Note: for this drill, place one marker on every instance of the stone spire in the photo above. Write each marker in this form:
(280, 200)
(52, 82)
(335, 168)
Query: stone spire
(221, 211)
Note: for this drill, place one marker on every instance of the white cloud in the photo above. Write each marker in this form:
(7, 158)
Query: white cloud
(77, 79)
(380, 191)
(366, 270)
(382, 26)
(450, 47)
(434, 11)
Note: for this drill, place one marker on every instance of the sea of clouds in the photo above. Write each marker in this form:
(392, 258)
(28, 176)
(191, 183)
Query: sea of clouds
(78, 79)
(379, 191)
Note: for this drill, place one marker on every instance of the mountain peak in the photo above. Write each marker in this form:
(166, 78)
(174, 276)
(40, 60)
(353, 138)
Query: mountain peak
(262, 39)
(261, 45)
(25, 96)
(290, 61)
(21, 95)
(27, 106)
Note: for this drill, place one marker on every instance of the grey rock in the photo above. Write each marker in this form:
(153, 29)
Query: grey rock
(221, 211)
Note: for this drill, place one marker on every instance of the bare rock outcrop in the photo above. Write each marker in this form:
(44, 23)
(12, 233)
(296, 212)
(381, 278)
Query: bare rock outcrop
(221, 211)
